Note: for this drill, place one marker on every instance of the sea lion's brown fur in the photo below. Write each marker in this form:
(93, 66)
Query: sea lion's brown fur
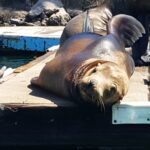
(93, 68)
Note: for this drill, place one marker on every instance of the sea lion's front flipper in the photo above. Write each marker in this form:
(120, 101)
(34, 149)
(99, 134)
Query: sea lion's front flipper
(126, 28)
(35, 81)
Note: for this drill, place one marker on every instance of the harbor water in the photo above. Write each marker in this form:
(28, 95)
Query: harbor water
(16, 60)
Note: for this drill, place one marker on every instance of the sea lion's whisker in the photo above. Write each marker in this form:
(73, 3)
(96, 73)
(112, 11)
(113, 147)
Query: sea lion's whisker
(102, 104)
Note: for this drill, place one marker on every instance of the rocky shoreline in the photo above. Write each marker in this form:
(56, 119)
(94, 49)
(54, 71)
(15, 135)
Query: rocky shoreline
(42, 13)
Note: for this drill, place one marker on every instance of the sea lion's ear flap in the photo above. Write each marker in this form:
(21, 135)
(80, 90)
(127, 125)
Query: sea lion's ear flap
(98, 64)
(126, 28)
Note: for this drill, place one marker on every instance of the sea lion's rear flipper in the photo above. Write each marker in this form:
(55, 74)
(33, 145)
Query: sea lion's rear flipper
(126, 28)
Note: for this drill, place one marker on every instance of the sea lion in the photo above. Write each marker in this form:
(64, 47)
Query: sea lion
(92, 68)
(93, 20)
(103, 12)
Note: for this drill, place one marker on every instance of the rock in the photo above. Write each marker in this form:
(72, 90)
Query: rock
(37, 23)
(6, 24)
(74, 12)
(11, 17)
(48, 12)
(19, 15)
(44, 5)
(43, 13)
(28, 24)
(59, 18)
(16, 21)
(19, 22)
(5, 16)
(44, 22)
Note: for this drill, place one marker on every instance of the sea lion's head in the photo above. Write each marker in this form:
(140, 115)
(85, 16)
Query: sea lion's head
(103, 84)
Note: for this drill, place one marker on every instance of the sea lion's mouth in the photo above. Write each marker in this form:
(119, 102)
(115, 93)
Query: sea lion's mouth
(101, 98)
(90, 94)
(93, 93)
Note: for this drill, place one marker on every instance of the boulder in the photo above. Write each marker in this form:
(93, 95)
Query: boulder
(12, 17)
(74, 12)
(59, 18)
(44, 5)
(48, 12)
(16, 21)
(21, 15)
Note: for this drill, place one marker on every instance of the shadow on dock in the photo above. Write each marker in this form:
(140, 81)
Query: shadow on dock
(59, 102)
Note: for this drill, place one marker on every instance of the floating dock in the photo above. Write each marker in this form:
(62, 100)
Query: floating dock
(29, 38)
(133, 109)
(32, 116)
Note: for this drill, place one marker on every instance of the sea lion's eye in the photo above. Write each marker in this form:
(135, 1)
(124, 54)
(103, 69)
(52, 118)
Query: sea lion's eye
(94, 70)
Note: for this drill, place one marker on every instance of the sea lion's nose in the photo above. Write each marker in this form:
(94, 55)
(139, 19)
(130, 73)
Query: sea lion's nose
(121, 97)
(109, 92)
(92, 83)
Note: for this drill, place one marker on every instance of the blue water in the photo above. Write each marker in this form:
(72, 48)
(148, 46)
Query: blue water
(14, 61)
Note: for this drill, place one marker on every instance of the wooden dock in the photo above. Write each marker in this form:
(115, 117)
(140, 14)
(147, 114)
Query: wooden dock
(22, 94)
(33, 117)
